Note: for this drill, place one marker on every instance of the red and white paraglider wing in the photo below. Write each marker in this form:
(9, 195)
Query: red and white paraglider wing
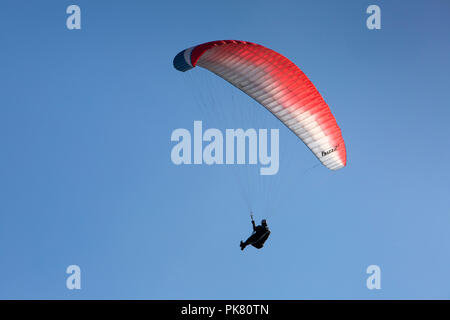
(277, 84)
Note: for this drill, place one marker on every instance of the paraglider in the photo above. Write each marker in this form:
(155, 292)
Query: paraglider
(282, 88)
(259, 235)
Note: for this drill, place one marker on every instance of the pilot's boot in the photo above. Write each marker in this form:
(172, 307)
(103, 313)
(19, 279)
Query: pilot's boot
(242, 245)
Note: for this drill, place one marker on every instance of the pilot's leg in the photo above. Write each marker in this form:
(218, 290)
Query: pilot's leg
(250, 240)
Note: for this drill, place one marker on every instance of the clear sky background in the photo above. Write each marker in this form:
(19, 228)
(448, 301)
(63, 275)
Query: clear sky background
(86, 176)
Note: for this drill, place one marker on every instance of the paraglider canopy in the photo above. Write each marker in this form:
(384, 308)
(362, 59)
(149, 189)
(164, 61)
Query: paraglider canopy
(278, 85)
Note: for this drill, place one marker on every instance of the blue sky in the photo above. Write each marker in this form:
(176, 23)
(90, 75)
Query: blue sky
(86, 176)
